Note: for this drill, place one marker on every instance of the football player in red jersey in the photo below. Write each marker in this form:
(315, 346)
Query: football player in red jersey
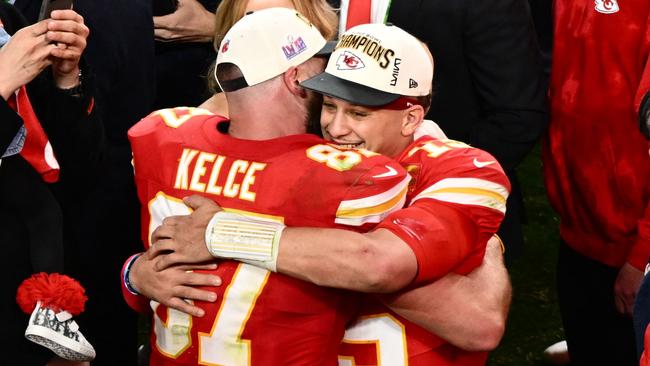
(257, 161)
(374, 79)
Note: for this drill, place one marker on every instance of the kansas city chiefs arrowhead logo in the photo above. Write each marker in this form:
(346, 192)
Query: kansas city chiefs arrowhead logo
(224, 47)
(349, 61)
(607, 6)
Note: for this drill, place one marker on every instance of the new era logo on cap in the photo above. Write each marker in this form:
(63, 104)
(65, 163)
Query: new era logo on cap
(413, 84)
(349, 61)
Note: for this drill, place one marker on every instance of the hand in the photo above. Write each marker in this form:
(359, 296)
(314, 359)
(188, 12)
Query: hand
(181, 239)
(24, 57)
(68, 31)
(189, 23)
(173, 285)
(625, 288)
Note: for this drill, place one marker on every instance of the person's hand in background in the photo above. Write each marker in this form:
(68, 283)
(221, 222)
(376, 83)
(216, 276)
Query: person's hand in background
(68, 32)
(191, 22)
(24, 57)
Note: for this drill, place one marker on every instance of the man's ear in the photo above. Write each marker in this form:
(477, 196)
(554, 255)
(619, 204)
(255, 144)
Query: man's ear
(290, 78)
(413, 117)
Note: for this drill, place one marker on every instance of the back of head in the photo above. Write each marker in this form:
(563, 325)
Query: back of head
(264, 44)
(319, 13)
(374, 65)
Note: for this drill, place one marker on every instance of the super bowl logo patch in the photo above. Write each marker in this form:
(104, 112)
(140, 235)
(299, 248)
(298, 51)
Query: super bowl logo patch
(606, 6)
(294, 47)
(349, 61)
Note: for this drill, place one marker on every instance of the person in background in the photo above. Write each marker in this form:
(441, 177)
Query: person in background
(50, 143)
(184, 30)
(597, 172)
(121, 53)
(641, 314)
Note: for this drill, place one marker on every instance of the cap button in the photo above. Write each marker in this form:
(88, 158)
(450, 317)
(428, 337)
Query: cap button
(389, 24)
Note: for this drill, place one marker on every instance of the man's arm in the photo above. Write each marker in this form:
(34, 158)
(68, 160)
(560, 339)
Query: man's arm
(444, 306)
(377, 262)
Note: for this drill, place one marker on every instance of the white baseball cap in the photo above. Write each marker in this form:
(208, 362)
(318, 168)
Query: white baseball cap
(374, 65)
(266, 43)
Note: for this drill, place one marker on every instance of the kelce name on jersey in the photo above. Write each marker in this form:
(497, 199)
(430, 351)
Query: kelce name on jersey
(238, 179)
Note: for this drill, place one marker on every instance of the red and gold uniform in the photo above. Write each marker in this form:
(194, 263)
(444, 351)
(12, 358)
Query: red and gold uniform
(260, 318)
(452, 181)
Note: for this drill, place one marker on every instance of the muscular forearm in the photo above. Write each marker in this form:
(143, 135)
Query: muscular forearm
(373, 262)
(468, 311)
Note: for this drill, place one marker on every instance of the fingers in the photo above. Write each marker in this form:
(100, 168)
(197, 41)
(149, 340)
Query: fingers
(35, 29)
(167, 260)
(200, 279)
(195, 202)
(71, 33)
(66, 14)
(193, 293)
(71, 39)
(162, 248)
(65, 53)
(171, 220)
(199, 266)
(162, 232)
(187, 308)
(163, 22)
(162, 34)
(68, 27)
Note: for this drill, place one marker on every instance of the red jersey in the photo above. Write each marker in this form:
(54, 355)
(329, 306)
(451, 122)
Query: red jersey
(596, 164)
(260, 318)
(448, 178)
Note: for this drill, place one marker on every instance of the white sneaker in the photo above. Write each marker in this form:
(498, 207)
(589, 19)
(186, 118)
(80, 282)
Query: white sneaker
(59, 333)
(557, 354)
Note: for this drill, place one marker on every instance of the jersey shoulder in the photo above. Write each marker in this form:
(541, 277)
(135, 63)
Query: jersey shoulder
(157, 137)
(164, 121)
(453, 171)
(370, 186)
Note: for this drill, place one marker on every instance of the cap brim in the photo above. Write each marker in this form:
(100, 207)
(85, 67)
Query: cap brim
(327, 49)
(351, 92)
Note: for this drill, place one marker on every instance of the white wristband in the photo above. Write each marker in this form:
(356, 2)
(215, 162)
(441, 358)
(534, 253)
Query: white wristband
(253, 240)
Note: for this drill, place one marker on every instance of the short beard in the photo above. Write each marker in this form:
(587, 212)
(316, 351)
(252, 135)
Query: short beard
(314, 106)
